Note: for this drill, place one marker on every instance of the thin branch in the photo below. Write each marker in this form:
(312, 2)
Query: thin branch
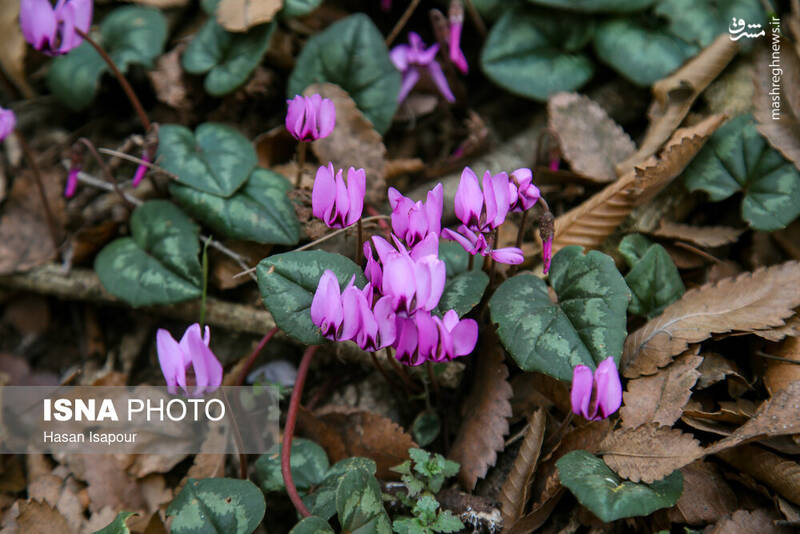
(402, 21)
(140, 161)
(106, 170)
(37, 174)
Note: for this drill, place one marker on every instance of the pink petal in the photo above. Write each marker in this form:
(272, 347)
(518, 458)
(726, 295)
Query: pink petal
(295, 115)
(37, 20)
(326, 306)
(465, 336)
(547, 254)
(609, 388)
(581, 391)
(438, 77)
(322, 195)
(326, 118)
(433, 209)
(351, 307)
(171, 360)
(356, 188)
(468, 201)
(428, 334)
(399, 56)
(385, 317)
(207, 369)
(508, 255)
(410, 79)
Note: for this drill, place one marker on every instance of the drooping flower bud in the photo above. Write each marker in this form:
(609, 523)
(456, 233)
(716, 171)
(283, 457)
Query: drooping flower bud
(175, 358)
(596, 397)
(310, 117)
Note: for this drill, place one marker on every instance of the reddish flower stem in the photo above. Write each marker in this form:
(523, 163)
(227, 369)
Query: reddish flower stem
(137, 106)
(253, 355)
(288, 431)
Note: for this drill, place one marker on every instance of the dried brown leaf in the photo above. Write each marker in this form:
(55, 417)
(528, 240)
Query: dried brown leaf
(715, 368)
(748, 302)
(514, 492)
(781, 125)
(702, 236)
(40, 518)
(590, 140)
(590, 223)
(775, 417)
(674, 95)
(108, 483)
(241, 15)
(790, 329)
(650, 452)
(744, 522)
(779, 375)
(481, 433)
(706, 496)
(169, 80)
(24, 234)
(660, 398)
(354, 142)
(780, 474)
(350, 432)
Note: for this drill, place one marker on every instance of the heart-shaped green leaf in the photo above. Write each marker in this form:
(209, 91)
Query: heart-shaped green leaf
(298, 8)
(609, 497)
(308, 462)
(312, 525)
(535, 53)
(158, 264)
(426, 427)
(217, 506)
(260, 211)
(700, 21)
(351, 53)
(597, 6)
(228, 58)
(653, 279)
(359, 504)
(640, 53)
(323, 498)
(288, 282)
(737, 158)
(216, 159)
(463, 292)
(117, 526)
(130, 35)
(586, 326)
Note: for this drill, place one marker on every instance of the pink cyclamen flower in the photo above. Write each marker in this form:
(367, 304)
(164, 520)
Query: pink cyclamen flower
(53, 29)
(547, 253)
(596, 397)
(72, 182)
(547, 231)
(412, 59)
(412, 221)
(174, 358)
(7, 122)
(456, 17)
(310, 117)
(477, 244)
(522, 191)
(338, 204)
(141, 170)
(485, 210)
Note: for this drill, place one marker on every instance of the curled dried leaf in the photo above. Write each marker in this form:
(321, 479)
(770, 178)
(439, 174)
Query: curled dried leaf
(674, 95)
(590, 223)
(779, 474)
(702, 236)
(481, 433)
(649, 453)
(514, 493)
(745, 303)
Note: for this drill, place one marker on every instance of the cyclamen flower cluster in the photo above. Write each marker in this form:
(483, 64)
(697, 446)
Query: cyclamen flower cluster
(395, 307)
(481, 212)
(53, 29)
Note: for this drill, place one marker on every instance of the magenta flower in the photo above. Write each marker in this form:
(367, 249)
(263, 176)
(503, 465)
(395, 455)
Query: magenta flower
(192, 350)
(412, 221)
(412, 59)
(477, 244)
(422, 337)
(53, 29)
(547, 230)
(7, 122)
(522, 191)
(456, 17)
(413, 280)
(310, 117)
(141, 170)
(338, 204)
(596, 397)
(547, 253)
(485, 210)
(326, 306)
(72, 182)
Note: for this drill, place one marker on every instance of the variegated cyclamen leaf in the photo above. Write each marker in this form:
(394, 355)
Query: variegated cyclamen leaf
(288, 282)
(737, 158)
(118, 526)
(323, 498)
(359, 504)
(463, 292)
(654, 280)
(260, 211)
(312, 525)
(215, 158)
(608, 496)
(586, 325)
(217, 506)
(308, 462)
(159, 264)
